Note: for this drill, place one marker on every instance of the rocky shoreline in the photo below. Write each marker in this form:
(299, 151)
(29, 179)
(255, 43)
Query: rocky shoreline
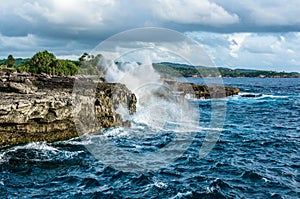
(199, 91)
(37, 108)
(40, 108)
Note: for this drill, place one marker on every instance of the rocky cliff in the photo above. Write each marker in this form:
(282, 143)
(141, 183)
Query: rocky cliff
(199, 91)
(43, 108)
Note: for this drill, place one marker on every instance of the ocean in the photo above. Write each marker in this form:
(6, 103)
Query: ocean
(256, 155)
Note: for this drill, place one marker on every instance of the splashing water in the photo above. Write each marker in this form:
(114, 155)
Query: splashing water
(162, 117)
(157, 107)
(162, 112)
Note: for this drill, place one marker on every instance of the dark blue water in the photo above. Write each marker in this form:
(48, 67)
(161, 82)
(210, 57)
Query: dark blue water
(256, 156)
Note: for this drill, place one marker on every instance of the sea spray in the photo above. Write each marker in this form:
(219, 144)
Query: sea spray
(162, 117)
(157, 104)
(160, 108)
(249, 144)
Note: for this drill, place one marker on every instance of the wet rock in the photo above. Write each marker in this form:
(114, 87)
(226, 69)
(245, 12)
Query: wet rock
(251, 95)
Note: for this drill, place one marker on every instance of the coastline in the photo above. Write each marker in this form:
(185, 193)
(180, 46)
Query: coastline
(38, 108)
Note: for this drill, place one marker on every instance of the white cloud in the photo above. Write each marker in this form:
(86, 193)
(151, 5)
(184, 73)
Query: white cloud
(22, 43)
(236, 41)
(273, 51)
(74, 15)
(184, 51)
(91, 14)
(193, 12)
(69, 27)
(261, 44)
(266, 13)
(69, 57)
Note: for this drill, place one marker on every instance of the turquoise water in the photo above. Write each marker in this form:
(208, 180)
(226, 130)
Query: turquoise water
(257, 156)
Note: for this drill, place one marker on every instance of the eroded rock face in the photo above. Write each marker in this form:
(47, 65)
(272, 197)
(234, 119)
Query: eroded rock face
(43, 108)
(38, 108)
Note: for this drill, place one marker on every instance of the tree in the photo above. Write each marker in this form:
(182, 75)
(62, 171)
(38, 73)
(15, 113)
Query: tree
(83, 57)
(90, 64)
(42, 62)
(11, 62)
(24, 67)
(72, 68)
(64, 67)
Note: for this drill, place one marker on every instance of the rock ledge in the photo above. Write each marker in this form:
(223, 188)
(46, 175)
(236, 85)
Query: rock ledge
(36, 108)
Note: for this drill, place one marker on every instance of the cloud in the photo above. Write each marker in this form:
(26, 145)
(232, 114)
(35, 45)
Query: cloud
(262, 44)
(236, 41)
(27, 46)
(254, 33)
(177, 47)
(194, 12)
(96, 20)
(264, 16)
(74, 15)
(265, 51)
(270, 13)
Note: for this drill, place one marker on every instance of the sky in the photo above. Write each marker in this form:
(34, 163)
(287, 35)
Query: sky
(254, 34)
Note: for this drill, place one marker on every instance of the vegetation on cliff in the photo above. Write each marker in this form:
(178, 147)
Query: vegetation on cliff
(46, 62)
(180, 70)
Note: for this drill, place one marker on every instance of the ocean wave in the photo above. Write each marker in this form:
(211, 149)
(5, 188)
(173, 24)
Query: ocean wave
(256, 156)
(36, 152)
(261, 96)
(251, 175)
(257, 97)
(180, 195)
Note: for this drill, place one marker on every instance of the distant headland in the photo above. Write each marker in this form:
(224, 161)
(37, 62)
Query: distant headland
(46, 62)
(183, 70)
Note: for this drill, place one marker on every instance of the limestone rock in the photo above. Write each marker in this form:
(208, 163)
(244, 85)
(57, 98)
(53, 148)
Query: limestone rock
(39, 108)
(202, 91)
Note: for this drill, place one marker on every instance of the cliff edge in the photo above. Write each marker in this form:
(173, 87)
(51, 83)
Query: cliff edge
(42, 108)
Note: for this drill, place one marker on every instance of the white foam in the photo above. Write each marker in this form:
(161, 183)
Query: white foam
(273, 96)
(83, 142)
(160, 184)
(43, 146)
(116, 132)
(154, 108)
(2, 157)
(180, 195)
(44, 152)
(266, 180)
(210, 189)
(263, 96)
